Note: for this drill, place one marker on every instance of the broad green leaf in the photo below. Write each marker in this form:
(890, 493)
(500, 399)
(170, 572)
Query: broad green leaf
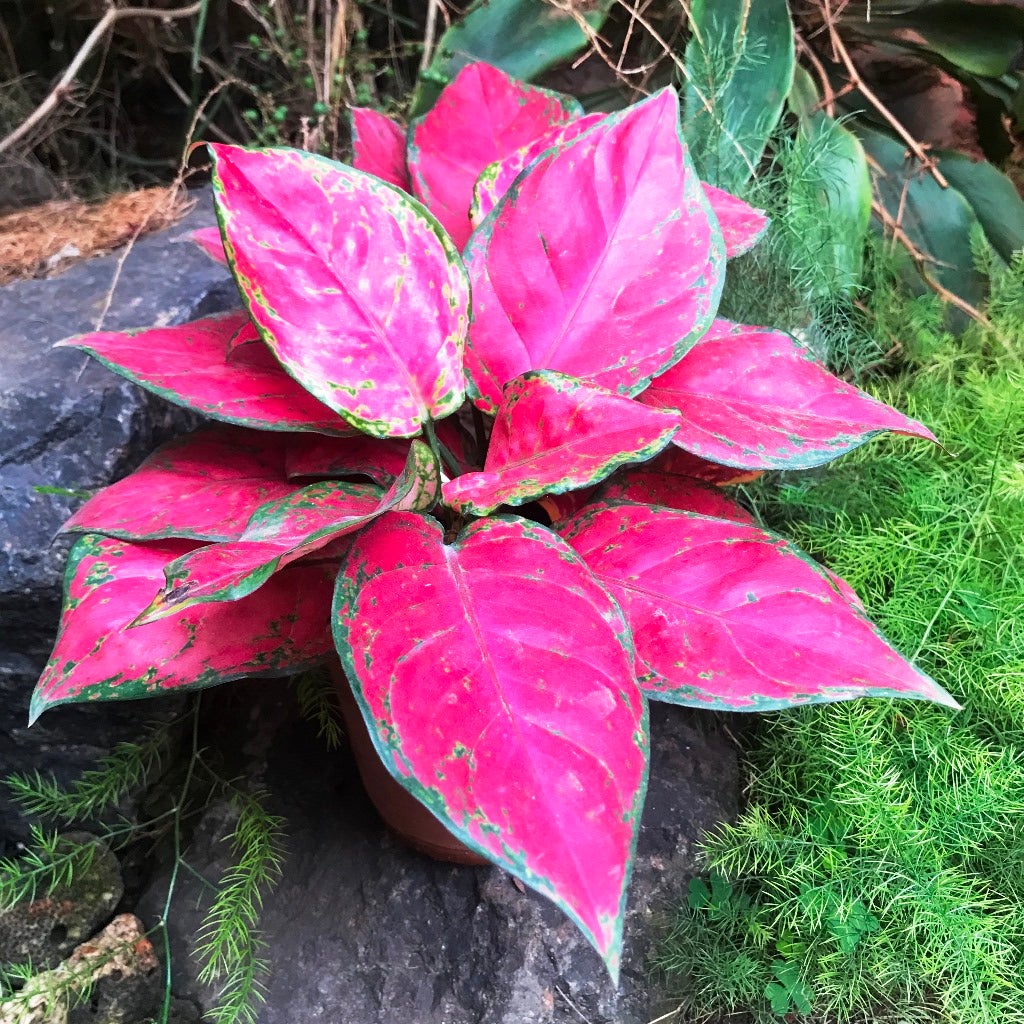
(980, 39)
(495, 677)
(832, 194)
(739, 68)
(937, 221)
(992, 196)
(522, 37)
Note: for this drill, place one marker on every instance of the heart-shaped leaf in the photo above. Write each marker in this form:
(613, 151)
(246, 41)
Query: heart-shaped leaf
(481, 117)
(553, 434)
(742, 224)
(282, 531)
(209, 240)
(279, 631)
(497, 179)
(380, 460)
(726, 615)
(495, 676)
(607, 278)
(188, 365)
(352, 284)
(679, 492)
(378, 147)
(203, 487)
(754, 398)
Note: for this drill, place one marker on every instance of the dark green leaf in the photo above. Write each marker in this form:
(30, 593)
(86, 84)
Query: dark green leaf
(993, 198)
(937, 221)
(833, 189)
(522, 37)
(739, 68)
(979, 39)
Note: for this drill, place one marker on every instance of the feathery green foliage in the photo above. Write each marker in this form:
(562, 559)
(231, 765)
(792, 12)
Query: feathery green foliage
(48, 863)
(125, 770)
(314, 691)
(228, 945)
(881, 857)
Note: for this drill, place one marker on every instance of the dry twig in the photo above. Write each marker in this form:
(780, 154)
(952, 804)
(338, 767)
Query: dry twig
(62, 90)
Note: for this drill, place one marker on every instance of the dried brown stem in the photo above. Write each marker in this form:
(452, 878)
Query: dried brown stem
(856, 82)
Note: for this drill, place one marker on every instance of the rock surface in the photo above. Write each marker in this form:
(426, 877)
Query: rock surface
(364, 931)
(45, 930)
(117, 967)
(67, 423)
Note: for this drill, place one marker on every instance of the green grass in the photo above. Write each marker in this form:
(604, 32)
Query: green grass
(877, 873)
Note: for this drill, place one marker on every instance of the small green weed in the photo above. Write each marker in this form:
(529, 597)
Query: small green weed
(877, 873)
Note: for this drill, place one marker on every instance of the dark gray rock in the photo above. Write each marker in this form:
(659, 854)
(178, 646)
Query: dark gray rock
(364, 931)
(68, 423)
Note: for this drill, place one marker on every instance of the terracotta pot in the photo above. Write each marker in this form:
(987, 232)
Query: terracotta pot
(403, 814)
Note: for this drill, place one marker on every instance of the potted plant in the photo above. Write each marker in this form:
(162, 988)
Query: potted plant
(474, 412)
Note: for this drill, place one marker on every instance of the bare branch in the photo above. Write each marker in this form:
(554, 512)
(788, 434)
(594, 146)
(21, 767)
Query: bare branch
(63, 87)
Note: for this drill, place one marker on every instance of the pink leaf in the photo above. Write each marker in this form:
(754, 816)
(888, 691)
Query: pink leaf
(380, 460)
(495, 677)
(555, 434)
(378, 147)
(482, 116)
(679, 492)
(203, 487)
(752, 397)
(246, 335)
(742, 224)
(350, 282)
(604, 262)
(188, 365)
(729, 616)
(497, 179)
(208, 239)
(281, 630)
(280, 532)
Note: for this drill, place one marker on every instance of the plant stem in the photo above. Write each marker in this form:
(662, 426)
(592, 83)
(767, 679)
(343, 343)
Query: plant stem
(441, 453)
(165, 1009)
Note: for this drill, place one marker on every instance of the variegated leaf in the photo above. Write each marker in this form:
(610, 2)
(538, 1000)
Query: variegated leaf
(495, 677)
(378, 147)
(282, 531)
(351, 283)
(726, 615)
(203, 487)
(188, 365)
(754, 398)
(482, 116)
(609, 277)
(553, 434)
(282, 630)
